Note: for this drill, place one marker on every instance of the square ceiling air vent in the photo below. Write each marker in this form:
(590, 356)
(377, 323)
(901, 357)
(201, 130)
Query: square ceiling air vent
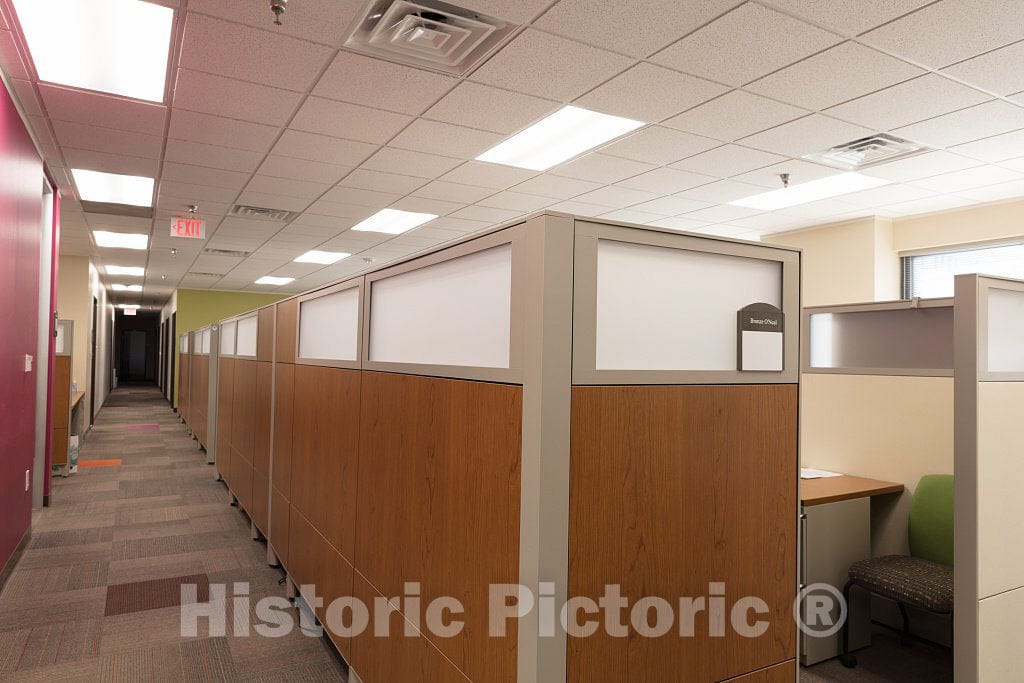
(262, 213)
(428, 34)
(864, 152)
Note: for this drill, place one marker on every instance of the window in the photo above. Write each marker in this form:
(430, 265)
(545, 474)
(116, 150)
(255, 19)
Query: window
(931, 275)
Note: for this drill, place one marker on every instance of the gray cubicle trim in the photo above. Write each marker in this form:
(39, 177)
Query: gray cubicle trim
(898, 304)
(513, 374)
(589, 232)
(211, 396)
(987, 283)
(354, 364)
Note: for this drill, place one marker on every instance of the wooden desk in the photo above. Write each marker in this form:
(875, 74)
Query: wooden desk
(76, 398)
(844, 487)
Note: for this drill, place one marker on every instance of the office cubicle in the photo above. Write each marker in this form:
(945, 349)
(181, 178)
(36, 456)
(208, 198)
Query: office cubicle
(427, 421)
(199, 385)
(184, 374)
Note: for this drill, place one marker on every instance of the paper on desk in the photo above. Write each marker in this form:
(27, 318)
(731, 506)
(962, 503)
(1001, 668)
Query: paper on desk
(811, 473)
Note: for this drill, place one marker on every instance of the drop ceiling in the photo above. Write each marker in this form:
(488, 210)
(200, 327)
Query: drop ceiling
(735, 92)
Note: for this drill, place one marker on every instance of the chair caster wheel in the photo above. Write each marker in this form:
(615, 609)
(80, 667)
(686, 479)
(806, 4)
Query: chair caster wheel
(849, 661)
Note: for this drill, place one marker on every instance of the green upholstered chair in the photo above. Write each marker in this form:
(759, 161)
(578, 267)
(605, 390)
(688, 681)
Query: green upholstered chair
(923, 579)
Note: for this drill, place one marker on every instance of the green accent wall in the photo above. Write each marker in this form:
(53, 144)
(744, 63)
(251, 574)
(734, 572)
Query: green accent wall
(201, 307)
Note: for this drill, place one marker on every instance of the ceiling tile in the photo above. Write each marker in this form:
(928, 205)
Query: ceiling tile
(494, 176)
(303, 169)
(30, 102)
(196, 193)
(916, 100)
(631, 216)
(232, 180)
(812, 133)
(516, 201)
(313, 147)
(177, 205)
(885, 195)
(721, 214)
(799, 172)
(457, 224)
(427, 205)
(950, 31)
(481, 106)
(210, 94)
(939, 202)
(107, 140)
(838, 74)
(579, 208)
(556, 187)
(376, 83)
(650, 93)
(747, 43)
(995, 193)
(453, 192)
(966, 125)
(998, 71)
(107, 111)
(341, 213)
(10, 57)
(212, 156)
(382, 182)
(848, 18)
(486, 214)
(728, 160)
(671, 206)
(303, 189)
(921, 166)
(616, 197)
(350, 121)
(215, 130)
(351, 195)
(666, 181)
(823, 209)
(434, 137)
(734, 115)
(39, 126)
(1015, 164)
(534, 63)
(722, 191)
(679, 224)
(322, 21)
(771, 221)
(601, 168)
(968, 179)
(657, 145)
(407, 162)
(214, 46)
(994, 149)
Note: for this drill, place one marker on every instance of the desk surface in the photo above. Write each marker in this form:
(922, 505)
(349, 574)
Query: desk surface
(843, 487)
(76, 397)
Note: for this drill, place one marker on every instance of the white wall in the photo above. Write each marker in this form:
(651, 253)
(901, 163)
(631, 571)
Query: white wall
(104, 340)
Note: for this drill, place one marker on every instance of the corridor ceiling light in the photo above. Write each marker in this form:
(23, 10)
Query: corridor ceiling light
(126, 288)
(113, 46)
(271, 280)
(567, 133)
(393, 221)
(128, 306)
(112, 188)
(812, 191)
(324, 257)
(120, 240)
(125, 270)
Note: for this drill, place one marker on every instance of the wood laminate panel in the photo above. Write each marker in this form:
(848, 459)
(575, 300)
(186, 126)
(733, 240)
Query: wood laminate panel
(287, 331)
(284, 401)
(265, 334)
(243, 408)
(833, 489)
(241, 480)
(674, 488)
(260, 501)
(784, 672)
(61, 404)
(325, 443)
(60, 446)
(279, 520)
(225, 401)
(438, 501)
(263, 416)
(183, 386)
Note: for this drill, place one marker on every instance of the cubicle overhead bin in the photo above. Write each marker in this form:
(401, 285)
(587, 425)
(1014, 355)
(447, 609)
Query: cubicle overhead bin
(561, 402)
(989, 577)
(185, 345)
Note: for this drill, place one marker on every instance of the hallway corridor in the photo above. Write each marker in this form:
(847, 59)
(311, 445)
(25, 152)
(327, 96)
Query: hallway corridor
(75, 607)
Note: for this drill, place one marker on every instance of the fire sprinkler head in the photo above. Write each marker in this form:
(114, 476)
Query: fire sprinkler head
(785, 179)
(278, 7)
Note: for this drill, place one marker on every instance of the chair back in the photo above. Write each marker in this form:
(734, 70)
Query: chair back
(931, 519)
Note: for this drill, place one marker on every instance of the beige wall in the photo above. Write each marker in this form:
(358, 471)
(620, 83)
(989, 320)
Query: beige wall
(983, 223)
(74, 302)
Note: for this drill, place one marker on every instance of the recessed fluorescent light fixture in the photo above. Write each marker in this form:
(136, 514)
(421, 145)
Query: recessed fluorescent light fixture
(812, 191)
(112, 188)
(113, 46)
(324, 257)
(125, 270)
(567, 133)
(393, 221)
(271, 280)
(126, 288)
(128, 306)
(120, 240)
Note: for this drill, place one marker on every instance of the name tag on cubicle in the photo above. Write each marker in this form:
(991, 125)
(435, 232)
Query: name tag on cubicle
(760, 333)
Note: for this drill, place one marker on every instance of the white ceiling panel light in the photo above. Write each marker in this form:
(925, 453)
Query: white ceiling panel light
(127, 306)
(323, 257)
(823, 188)
(393, 221)
(277, 281)
(126, 288)
(113, 46)
(112, 188)
(120, 240)
(567, 133)
(137, 271)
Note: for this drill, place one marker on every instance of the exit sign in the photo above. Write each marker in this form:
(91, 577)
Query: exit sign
(192, 228)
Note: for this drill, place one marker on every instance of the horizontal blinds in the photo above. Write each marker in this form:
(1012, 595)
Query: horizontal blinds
(931, 275)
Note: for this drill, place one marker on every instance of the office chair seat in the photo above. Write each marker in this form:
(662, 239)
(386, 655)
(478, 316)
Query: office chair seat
(910, 580)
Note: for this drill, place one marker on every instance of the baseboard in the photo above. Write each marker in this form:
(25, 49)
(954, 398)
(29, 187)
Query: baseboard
(5, 573)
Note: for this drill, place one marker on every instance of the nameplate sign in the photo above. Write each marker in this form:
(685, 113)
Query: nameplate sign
(760, 338)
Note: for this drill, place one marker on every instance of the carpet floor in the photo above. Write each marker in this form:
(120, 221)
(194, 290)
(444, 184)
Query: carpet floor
(96, 594)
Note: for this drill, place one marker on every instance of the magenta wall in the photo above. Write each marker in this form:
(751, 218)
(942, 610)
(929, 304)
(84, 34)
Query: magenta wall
(21, 183)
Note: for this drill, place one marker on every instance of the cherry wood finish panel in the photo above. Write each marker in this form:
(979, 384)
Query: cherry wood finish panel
(243, 408)
(263, 416)
(60, 440)
(325, 443)
(260, 501)
(183, 386)
(279, 520)
(225, 401)
(60, 406)
(284, 401)
(438, 501)
(784, 672)
(265, 334)
(673, 488)
(287, 327)
(241, 480)
(834, 489)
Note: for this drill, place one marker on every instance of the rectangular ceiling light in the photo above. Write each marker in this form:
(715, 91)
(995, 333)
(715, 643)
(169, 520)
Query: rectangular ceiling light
(324, 257)
(126, 288)
(567, 133)
(113, 46)
(112, 188)
(812, 191)
(128, 306)
(125, 270)
(393, 221)
(271, 280)
(120, 240)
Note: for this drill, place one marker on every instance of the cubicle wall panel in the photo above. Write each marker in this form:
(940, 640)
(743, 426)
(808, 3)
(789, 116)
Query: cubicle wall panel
(241, 480)
(260, 501)
(183, 386)
(264, 415)
(286, 334)
(225, 401)
(280, 510)
(674, 488)
(325, 446)
(199, 395)
(265, 334)
(438, 501)
(284, 400)
(61, 402)
(243, 408)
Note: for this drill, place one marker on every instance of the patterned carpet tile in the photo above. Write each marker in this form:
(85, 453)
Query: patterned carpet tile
(49, 644)
(158, 567)
(125, 598)
(133, 549)
(34, 610)
(152, 530)
(35, 558)
(66, 537)
(55, 579)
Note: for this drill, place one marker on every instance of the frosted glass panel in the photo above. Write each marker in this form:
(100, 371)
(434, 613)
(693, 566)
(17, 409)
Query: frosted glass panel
(184, 343)
(1005, 330)
(896, 339)
(227, 338)
(671, 309)
(246, 341)
(329, 326)
(205, 348)
(453, 313)
(63, 338)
